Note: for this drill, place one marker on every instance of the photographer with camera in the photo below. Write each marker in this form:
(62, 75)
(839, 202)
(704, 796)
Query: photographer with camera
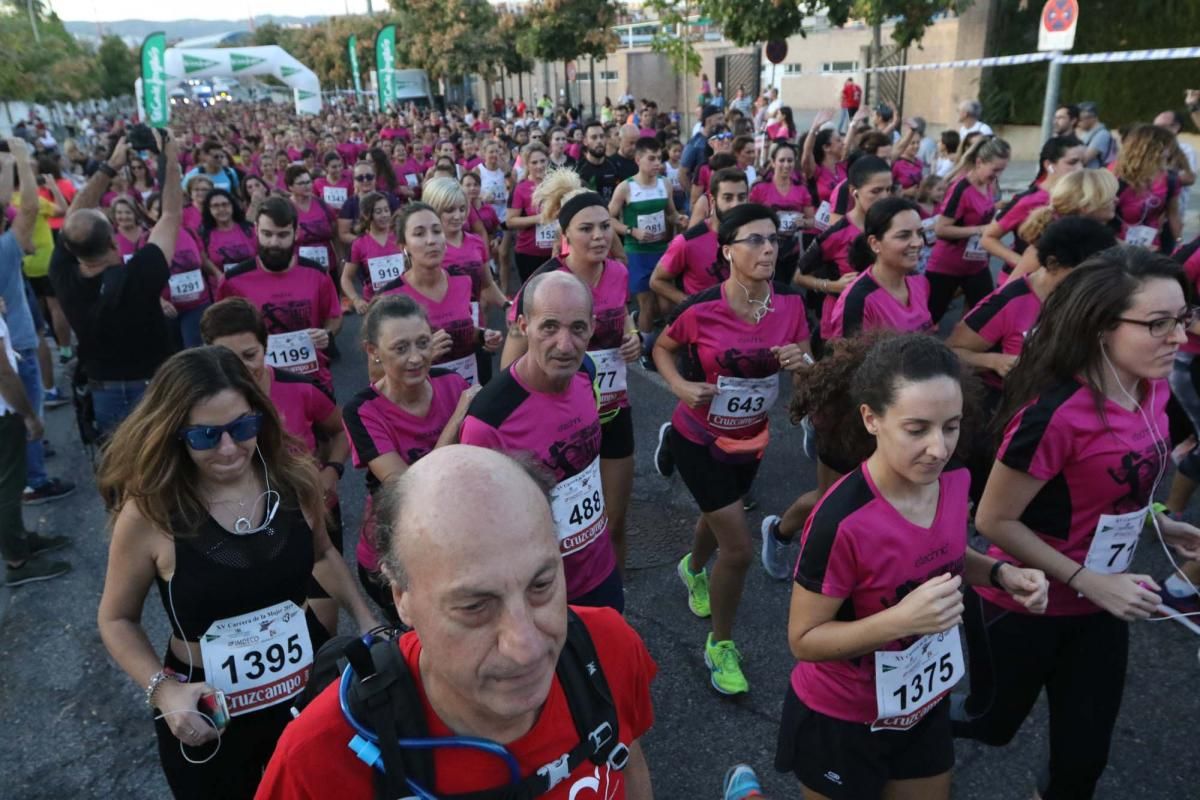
(113, 306)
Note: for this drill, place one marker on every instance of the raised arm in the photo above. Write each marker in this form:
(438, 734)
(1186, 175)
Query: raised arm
(92, 192)
(27, 211)
(166, 230)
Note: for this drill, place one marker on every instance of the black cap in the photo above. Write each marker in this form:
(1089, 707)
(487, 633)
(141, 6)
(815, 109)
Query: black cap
(707, 111)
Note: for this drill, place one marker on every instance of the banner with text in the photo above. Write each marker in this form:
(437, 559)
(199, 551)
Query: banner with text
(385, 65)
(156, 103)
(352, 47)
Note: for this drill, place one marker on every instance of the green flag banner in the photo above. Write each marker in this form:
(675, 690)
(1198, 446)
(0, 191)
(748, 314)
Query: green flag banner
(352, 47)
(239, 62)
(385, 66)
(157, 106)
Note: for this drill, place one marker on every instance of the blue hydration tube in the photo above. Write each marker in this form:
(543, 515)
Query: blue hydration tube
(365, 743)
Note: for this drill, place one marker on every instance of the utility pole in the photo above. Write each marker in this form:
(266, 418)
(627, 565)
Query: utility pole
(1050, 104)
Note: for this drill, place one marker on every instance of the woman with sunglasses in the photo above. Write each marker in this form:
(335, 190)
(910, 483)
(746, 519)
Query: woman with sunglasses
(731, 341)
(408, 411)
(351, 212)
(212, 505)
(1085, 447)
(141, 179)
(227, 236)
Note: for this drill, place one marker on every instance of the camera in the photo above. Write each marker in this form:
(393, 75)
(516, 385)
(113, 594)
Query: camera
(141, 137)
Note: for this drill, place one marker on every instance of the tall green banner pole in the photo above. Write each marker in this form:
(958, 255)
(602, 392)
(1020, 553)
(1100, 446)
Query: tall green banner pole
(352, 47)
(156, 104)
(385, 66)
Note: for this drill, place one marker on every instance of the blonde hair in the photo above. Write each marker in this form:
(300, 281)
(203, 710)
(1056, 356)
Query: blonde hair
(1141, 158)
(555, 190)
(985, 148)
(443, 194)
(1085, 191)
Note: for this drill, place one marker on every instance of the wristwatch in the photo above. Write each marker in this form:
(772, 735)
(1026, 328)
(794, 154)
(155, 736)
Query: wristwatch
(994, 575)
(107, 169)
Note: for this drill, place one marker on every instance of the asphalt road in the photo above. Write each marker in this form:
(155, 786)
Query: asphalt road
(73, 725)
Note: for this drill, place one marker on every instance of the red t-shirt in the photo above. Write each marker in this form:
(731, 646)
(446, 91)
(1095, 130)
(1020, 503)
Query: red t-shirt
(312, 760)
(851, 95)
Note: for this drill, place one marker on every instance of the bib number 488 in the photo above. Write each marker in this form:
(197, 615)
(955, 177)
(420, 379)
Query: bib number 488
(587, 509)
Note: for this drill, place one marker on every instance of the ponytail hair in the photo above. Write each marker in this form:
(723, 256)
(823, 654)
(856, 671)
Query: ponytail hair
(1084, 192)
(559, 186)
(983, 149)
(1055, 148)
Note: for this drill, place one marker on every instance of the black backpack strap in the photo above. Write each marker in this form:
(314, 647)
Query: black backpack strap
(588, 697)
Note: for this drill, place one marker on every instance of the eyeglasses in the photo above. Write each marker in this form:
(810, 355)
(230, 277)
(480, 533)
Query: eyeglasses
(364, 177)
(206, 437)
(758, 240)
(721, 136)
(302, 183)
(1163, 327)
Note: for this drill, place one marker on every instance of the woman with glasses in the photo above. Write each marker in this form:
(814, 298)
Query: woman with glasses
(1085, 447)
(721, 355)
(351, 213)
(375, 257)
(141, 180)
(212, 505)
(227, 236)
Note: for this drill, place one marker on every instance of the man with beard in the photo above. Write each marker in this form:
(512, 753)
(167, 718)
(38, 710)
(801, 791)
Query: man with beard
(544, 405)
(692, 257)
(298, 302)
(115, 307)
(596, 169)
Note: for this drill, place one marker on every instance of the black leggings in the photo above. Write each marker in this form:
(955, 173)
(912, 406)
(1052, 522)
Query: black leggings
(1080, 660)
(942, 287)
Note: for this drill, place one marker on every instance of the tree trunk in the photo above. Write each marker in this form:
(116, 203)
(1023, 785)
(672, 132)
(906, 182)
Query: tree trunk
(566, 87)
(592, 67)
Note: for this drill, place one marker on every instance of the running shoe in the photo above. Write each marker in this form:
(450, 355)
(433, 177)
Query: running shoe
(697, 586)
(65, 355)
(748, 502)
(53, 398)
(648, 364)
(810, 438)
(741, 783)
(53, 489)
(777, 558)
(664, 460)
(34, 569)
(39, 544)
(725, 667)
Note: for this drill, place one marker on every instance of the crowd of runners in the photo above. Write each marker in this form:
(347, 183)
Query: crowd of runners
(511, 271)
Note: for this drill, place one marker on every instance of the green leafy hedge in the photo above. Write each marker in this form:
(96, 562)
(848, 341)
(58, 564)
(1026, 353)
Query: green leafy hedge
(1126, 93)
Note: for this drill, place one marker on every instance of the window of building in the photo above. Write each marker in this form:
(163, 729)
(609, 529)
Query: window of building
(608, 75)
(839, 66)
(791, 69)
(583, 75)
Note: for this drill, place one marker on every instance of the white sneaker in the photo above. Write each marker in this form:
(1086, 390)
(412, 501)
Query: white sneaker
(777, 556)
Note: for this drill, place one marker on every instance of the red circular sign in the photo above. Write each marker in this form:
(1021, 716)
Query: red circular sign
(777, 51)
(1058, 15)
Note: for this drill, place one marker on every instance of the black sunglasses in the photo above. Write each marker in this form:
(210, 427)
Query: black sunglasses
(206, 437)
(366, 176)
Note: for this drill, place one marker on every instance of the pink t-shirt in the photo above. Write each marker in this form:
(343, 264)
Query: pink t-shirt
(403, 171)
(790, 207)
(186, 295)
(192, 218)
(377, 426)
(832, 250)
(966, 206)
(609, 298)
(692, 256)
(470, 259)
(562, 432)
(907, 173)
(858, 548)
(228, 247)
(301, 404)
(719, 344)
(451, 314)
(1004, 318)
(485, 214)
(522, 203)
(827, 179)
(865, 306)
(126, 246)
(1146, 206)
(1021, 207)
(334, 194)
(314, 232)
(1091, 466)
(367, 253)
(295, 299)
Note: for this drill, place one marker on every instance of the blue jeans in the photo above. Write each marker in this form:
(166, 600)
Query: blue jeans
(113, 400)
(31, 377)
(189, 326)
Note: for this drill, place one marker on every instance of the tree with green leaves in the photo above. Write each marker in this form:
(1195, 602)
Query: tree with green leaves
(58, 68)
(117, 67)
(446, 38)
(560, 30)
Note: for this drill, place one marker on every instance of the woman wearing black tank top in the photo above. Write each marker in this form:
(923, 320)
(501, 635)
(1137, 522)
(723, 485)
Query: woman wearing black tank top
(214, 507)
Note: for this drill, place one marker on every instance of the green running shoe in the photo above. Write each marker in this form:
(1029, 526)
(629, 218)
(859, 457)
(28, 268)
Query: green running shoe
(725, 665)
(697, 586)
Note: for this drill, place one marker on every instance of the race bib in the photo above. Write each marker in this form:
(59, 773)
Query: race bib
(475, 313)
(186, 286)
(465, 367)
(317, 253)
(577, 505)
(611, 379)
(292, 351)
(1115, 541)
(974, 250)
(385, 269)
(411, 179)
(544, 235)
(1140, 235)
(927, 231)
(334, 196)
(742, 402)
(259, 659)
(824, 211)
(653, 225)
(908, 683)
(789, 221)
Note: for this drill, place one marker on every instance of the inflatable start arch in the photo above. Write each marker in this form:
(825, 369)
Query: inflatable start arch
(232, 62)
